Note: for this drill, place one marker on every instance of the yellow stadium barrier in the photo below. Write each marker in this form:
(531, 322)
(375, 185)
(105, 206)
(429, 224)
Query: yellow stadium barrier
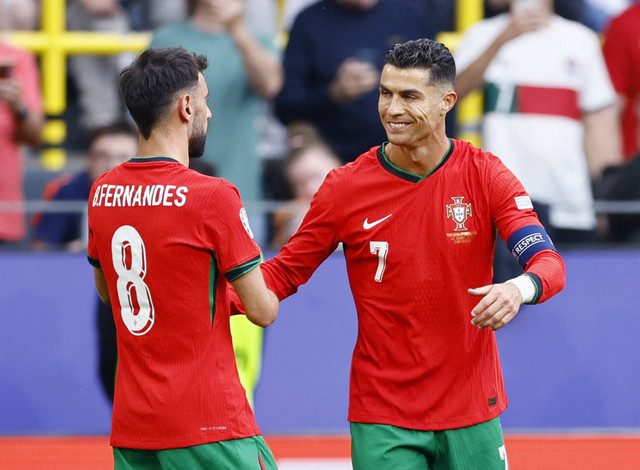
(53, 43)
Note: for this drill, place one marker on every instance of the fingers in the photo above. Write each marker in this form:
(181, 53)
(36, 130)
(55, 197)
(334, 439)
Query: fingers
(499, 305)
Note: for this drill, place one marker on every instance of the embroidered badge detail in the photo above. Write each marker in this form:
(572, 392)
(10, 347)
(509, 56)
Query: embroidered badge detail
(459, 212)
(523, 202)
(245, 222)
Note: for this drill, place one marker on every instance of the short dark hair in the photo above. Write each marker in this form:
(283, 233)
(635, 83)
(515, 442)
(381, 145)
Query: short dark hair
(117, 128)
(426, 54)
(149, 84)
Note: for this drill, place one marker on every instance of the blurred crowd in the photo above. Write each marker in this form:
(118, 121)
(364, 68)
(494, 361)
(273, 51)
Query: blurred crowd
(294, 90)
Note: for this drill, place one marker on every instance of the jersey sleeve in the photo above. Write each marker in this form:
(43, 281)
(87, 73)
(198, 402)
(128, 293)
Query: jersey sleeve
(227, 225)
(518, 224)
(615, 46)
(317, 237)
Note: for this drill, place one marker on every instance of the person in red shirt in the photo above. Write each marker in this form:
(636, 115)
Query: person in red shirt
(166, 242)
(21, 123)
(418, 217)
(622, 53)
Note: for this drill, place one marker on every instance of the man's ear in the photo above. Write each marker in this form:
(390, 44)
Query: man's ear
(448, 101)
(185, 107)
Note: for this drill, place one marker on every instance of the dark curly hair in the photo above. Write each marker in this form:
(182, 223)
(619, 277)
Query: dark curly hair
(149, 84)
(425, 54)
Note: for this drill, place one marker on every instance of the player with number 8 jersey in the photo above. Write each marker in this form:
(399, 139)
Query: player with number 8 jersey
(166, 243)
(169, 262)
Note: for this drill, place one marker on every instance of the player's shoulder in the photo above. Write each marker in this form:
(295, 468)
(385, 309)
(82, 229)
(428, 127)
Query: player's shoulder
(366, 160)
(470, 154)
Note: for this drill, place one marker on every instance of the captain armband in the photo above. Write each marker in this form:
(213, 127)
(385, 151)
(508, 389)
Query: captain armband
(527, 241)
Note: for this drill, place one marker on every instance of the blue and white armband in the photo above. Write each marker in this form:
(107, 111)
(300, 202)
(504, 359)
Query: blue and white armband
(528, 241)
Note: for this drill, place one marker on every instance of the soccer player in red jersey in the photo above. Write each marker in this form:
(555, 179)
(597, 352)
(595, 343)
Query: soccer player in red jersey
(418, 217)
(165, 243)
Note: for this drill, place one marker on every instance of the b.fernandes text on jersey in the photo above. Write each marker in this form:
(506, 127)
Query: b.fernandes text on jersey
(116, 195)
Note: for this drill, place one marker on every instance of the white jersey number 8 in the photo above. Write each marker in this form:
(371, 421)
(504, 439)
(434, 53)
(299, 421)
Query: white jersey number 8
(130, 263)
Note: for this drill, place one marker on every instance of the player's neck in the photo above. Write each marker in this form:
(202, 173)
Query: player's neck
(158, 145)
(420, 159)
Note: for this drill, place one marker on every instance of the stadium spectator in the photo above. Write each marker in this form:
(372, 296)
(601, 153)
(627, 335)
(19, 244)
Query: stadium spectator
(246, 72)
(165, 255)
(96, 77)
(19, 14)
(622, 54)
(108, 147)
(622, 183)
(549, 108)
(332, 67)
(305, 169)
(573, 10)
(21, 123)
(418, 217)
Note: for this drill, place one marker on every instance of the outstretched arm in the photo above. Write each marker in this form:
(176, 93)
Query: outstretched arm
(260, 304)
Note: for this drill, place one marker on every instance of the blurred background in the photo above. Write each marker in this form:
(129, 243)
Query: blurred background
(556, 98)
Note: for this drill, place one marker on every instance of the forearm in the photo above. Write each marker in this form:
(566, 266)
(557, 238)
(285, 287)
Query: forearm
(548, 266)
(101, 285)
(472, 77)
(29, 127)
(263, 68)
(602, 140)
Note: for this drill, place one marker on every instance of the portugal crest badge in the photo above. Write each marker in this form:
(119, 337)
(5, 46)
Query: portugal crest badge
(459, 212)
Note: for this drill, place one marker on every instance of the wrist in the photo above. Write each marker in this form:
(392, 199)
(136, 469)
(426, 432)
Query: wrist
(526, 286)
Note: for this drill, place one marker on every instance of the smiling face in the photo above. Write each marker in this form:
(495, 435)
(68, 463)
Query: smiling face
(412, 111)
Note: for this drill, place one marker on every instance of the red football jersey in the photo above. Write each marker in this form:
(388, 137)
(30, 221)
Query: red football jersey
(169, 240)
(622, 53)
(413, 246)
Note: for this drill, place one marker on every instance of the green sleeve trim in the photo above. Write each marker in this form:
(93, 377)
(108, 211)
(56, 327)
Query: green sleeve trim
(94, 262)
(538, 283)
(244, 268)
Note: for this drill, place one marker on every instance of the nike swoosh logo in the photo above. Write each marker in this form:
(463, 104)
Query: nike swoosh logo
(366, 225)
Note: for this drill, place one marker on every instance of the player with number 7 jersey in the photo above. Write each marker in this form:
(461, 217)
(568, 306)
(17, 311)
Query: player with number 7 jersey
(418, 217)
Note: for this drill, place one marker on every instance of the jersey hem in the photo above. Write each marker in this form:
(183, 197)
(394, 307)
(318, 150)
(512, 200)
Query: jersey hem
(177, 443)
(427, 426)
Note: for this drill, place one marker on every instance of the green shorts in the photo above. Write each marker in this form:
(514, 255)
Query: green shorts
(250, 453)
(384, 447)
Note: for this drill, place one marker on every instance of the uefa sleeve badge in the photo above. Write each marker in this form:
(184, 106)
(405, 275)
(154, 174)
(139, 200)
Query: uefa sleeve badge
(245, 222)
